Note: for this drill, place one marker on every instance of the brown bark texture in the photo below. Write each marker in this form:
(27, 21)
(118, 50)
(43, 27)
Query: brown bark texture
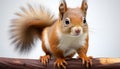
(98, 63)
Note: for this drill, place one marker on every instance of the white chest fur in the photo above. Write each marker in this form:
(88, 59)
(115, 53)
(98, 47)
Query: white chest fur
(69, 44)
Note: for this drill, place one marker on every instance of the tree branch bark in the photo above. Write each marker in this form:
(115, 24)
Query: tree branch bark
(98, 63)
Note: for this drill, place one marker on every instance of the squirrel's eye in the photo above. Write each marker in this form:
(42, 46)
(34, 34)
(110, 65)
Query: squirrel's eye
(67, 21)
(84, 20)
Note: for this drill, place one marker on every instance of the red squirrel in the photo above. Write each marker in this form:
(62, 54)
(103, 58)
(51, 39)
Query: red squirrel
(61, 38)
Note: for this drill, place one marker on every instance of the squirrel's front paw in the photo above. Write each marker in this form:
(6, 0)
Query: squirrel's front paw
(87, 61)
(60, 63)
(44, 59)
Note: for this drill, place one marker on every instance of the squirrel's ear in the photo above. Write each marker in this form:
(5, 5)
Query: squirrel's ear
(62, 8)
(84, 7)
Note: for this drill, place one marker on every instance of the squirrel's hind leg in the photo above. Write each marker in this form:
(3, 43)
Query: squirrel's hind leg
(45, 59)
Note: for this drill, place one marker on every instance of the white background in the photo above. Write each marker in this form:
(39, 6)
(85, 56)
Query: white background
(103, 19)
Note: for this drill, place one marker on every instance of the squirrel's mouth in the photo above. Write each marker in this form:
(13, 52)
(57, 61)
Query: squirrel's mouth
(76, 34)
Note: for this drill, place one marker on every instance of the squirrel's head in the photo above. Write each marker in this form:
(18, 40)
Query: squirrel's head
(73, 20)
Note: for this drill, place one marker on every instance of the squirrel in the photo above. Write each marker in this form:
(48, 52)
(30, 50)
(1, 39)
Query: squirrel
(61, 38)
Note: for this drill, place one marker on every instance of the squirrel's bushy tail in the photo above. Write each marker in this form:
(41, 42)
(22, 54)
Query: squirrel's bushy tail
(29, 25)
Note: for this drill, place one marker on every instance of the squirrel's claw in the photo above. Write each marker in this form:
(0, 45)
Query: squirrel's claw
(86, 61)
(44, 59)
(60, 63)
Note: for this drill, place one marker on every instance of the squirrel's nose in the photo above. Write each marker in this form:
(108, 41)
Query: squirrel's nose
(77, 31)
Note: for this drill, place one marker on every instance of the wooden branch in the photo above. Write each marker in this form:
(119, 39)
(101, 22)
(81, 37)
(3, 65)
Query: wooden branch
(98, 63)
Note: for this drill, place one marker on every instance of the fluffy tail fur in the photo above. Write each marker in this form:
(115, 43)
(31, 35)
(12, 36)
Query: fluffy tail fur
(29, 25)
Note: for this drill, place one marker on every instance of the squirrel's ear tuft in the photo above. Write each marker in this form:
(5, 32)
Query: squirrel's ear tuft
(62, 8)
(84, 7)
